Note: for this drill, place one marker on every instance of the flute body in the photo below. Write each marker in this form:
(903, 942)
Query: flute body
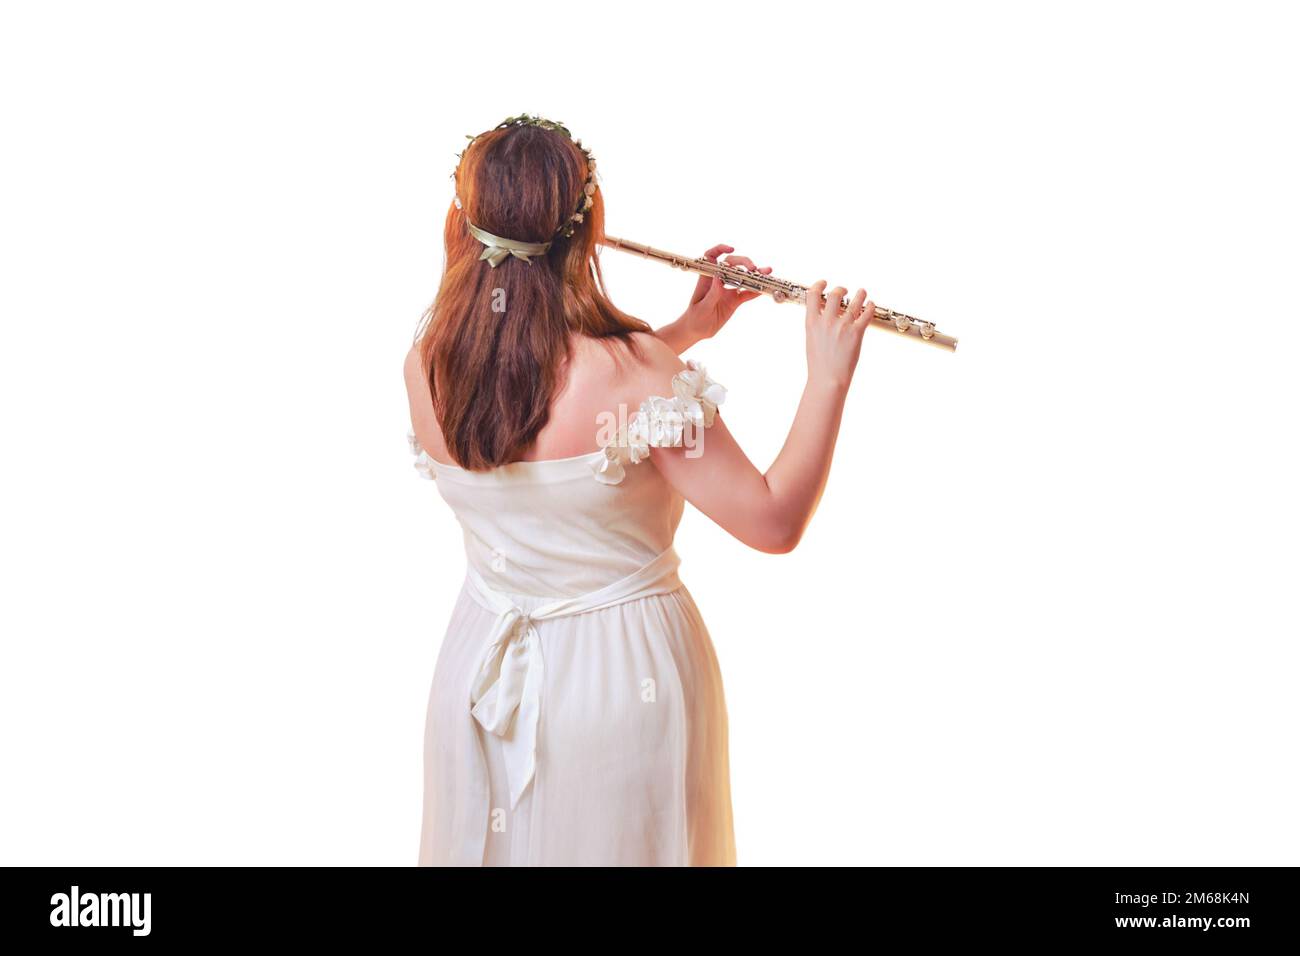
(782, 290)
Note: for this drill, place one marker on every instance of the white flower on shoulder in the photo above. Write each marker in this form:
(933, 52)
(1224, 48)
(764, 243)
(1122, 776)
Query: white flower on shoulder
(665, 420)
(609, 467)
(424, 465)
(661, 422)
(636, 437)
(693, 385)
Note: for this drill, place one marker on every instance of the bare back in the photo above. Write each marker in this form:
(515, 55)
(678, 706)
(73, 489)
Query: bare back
(601, 376)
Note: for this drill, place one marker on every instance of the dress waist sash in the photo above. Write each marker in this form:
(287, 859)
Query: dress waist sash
(506, 696)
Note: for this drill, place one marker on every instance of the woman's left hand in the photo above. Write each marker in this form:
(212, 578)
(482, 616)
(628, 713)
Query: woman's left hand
(712, 303)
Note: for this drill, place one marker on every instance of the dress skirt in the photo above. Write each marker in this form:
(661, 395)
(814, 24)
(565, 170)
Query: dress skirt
(629, 765)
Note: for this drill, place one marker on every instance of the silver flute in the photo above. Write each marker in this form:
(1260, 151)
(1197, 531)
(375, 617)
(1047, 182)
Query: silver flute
(782, 290)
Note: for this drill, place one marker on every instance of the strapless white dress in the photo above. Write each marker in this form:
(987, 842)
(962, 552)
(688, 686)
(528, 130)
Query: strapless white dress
(576, 715)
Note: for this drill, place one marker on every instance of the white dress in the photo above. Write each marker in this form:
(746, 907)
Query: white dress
(576, 715)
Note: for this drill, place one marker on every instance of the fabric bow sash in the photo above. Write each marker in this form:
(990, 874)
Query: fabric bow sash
(508, 690)
(506, 696)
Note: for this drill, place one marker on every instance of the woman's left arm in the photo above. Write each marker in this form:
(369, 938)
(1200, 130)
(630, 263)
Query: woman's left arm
(712, 304)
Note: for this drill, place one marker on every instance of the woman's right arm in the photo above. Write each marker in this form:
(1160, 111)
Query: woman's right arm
(770, 510)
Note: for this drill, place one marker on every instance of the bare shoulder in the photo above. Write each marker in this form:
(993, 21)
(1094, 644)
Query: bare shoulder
(657, 356)
(603, 375)
(615, 365)
(413, 371)
(650, 371)
(424, 423)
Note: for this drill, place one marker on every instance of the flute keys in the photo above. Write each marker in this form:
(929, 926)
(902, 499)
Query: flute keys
(902, 323)
(729, 282)
(927, 330)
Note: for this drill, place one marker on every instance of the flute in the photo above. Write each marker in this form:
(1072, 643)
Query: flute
(782, 290)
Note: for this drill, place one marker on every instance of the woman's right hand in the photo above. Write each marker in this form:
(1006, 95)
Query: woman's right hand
(835, 334)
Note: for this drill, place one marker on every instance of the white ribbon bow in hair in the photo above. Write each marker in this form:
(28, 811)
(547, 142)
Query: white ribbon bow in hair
(498, 248)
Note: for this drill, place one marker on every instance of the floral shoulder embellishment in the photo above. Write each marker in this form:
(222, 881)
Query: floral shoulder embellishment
(662, 422)
(423, 463)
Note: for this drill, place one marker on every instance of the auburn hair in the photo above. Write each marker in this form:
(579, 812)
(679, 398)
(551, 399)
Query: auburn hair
(495, 342)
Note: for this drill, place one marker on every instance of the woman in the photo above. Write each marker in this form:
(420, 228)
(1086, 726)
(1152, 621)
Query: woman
(576, 715)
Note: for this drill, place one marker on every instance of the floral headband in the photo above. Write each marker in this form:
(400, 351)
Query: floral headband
(497, 248)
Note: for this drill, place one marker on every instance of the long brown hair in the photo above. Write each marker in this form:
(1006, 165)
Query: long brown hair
(493, 374)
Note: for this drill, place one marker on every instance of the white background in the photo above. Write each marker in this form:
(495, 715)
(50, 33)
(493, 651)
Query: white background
(1046, 612)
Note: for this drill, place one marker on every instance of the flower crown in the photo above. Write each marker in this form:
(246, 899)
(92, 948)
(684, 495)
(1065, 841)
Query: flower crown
(585, 201)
